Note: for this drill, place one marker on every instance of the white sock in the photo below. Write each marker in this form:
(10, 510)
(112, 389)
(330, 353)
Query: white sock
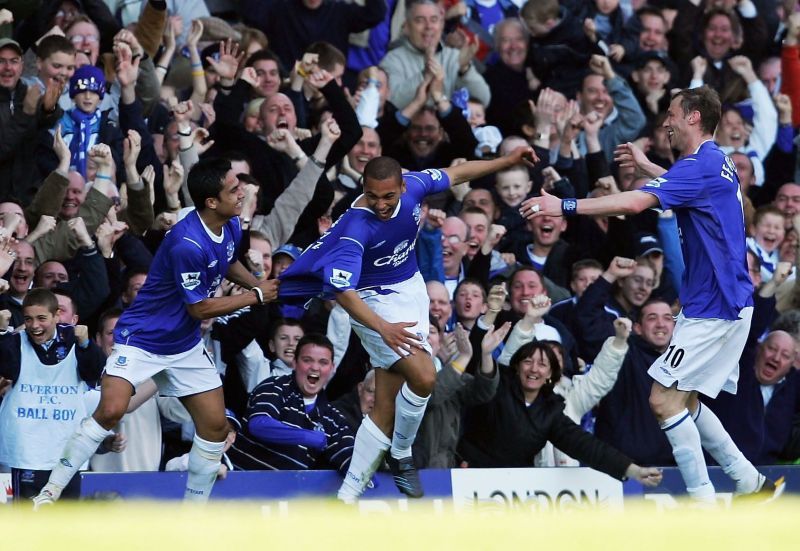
(368, 451)
(79, 448)
(719, 444)
(204, 461)
(684, 438)
(408, 413)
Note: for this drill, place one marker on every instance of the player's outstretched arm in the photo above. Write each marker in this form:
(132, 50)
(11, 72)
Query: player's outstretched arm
(213, 307)
(627, 202)
(476, 169)
(393, 334)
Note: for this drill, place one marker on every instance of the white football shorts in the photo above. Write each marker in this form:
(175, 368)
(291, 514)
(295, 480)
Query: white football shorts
(404, 301)
(704, 354)
(184, 374)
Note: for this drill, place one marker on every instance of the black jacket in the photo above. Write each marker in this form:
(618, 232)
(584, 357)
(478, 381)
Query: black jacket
(507, 433)
(18, 131)
(624, 418)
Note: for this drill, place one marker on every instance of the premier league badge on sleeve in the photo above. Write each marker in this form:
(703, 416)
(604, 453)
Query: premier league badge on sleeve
(435, 174)
(190, 280)
(340, 278)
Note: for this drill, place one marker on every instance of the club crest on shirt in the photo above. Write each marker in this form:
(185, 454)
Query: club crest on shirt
(190, 280)
(230, 248)
(122, 361)
(340, 278)
(417, 214)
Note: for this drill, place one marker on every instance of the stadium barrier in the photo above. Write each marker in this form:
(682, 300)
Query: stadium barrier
(492, 489)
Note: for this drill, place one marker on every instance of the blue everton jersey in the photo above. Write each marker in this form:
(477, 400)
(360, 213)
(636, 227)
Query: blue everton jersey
(360, 250)
(188, 267)
(703, 190)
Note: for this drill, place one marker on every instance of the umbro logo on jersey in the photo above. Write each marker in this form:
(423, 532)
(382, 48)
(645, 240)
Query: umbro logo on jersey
(378, 245)
(213, 263)
(190, 280)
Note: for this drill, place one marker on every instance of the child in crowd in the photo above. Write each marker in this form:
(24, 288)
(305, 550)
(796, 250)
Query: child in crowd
(85, 125)
(512, 187)
(51, 366)
(768, 233)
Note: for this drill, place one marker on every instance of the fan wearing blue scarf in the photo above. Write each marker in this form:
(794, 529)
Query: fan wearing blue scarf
(81, 124)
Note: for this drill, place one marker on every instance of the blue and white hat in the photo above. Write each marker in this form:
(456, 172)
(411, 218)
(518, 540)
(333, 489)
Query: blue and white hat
(87, 78)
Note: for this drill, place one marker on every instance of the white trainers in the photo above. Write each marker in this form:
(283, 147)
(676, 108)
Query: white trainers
(44, 498)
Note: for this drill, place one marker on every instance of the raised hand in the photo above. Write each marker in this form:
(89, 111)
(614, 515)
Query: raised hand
(620, 267)
(126, 65)
(173, 178)
(132, 146)
(463, 345)
(493, 337)
(229, 59)
(622, 328)
(330, 130)
(537, 308)
(600, 65)
(77, 228)
(195, 33)
(61, 149)
(52, 92)
(496, 297)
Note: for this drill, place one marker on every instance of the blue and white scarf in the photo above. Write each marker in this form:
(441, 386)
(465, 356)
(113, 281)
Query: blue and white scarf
(80, 131)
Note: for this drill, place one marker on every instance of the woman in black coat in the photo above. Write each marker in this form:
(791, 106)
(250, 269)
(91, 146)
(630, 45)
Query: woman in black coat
(525, 413)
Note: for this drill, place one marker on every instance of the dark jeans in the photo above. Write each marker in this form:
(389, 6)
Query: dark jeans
(27, 483)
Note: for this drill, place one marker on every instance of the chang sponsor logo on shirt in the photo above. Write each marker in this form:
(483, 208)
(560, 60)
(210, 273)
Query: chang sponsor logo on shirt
(190, 280)
(400, 254)
(340, 278)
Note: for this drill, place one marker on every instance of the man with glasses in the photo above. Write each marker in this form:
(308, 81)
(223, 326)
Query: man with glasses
(24, 110)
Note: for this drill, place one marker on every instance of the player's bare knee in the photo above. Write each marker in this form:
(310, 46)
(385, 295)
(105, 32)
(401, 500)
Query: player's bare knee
(421, 378)
(109, 413)
(214, 430)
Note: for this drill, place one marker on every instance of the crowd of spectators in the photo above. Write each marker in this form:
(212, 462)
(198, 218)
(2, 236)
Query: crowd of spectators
(542, 330)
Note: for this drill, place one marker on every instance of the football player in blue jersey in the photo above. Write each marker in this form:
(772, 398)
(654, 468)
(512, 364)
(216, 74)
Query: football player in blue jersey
(702, 187)
(159, 335)
(366, 261)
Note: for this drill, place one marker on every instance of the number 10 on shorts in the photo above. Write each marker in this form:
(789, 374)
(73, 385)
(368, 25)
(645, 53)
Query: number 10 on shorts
(674, 356)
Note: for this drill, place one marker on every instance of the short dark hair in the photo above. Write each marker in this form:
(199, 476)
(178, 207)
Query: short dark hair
(474, 210)
(471, 281)
(529, 349)
(383, 168)
(524, 268)
(317, 339)
(763, 210)
(650, 10)
(264, 54)
(64, 293)
(650, 301)
(111, 313)
(705, 101)
(54, 44)
(540, 10)
(583, 265)
(282, 322)
(205, 180)
(39, 296)
(329, 55)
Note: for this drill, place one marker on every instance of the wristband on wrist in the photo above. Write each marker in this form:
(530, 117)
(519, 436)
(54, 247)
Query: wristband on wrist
(164, 67)
(460, 368)
(316, 161)
(102, 177)
(259, 294)
(569, 207)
